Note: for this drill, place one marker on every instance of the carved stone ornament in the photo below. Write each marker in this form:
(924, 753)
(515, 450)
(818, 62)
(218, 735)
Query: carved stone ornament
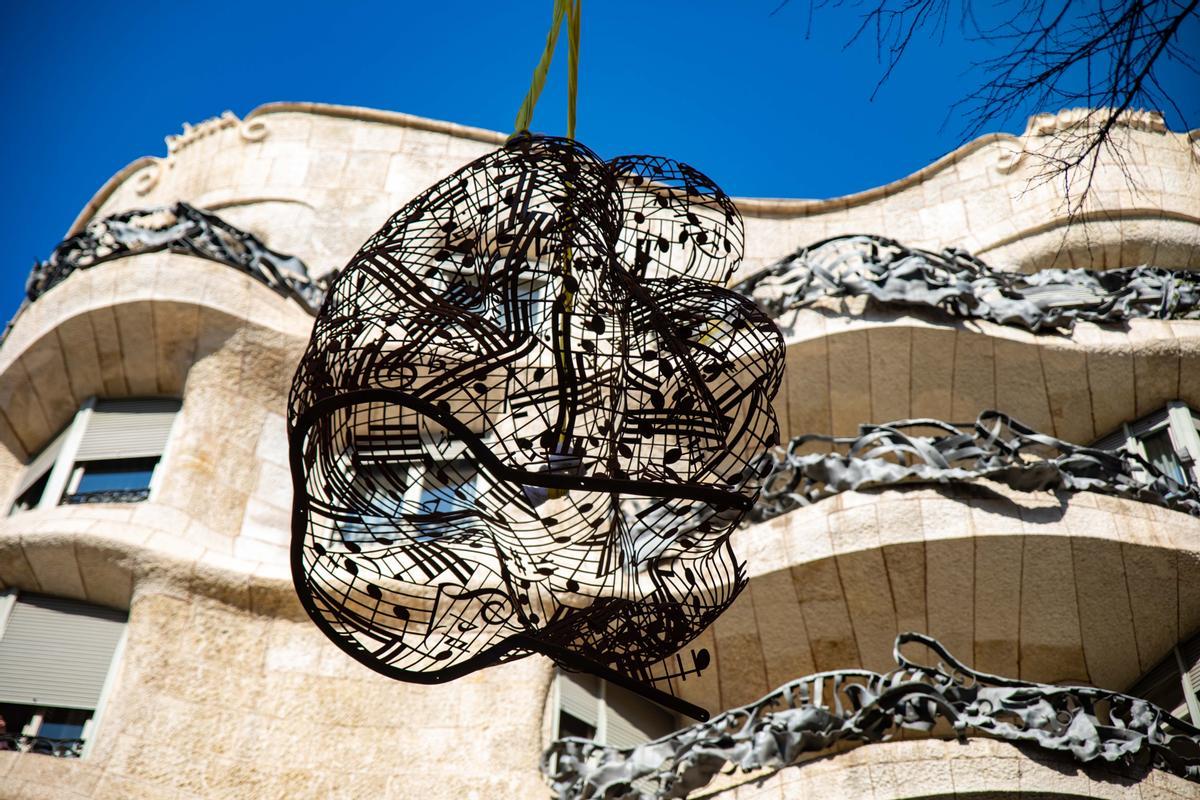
(526, 419)
(813, 714)
(179, 229)
(996, 448)
(961, 285)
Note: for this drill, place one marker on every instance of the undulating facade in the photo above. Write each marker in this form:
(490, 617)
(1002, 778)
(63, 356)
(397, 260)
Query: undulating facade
(152, 644)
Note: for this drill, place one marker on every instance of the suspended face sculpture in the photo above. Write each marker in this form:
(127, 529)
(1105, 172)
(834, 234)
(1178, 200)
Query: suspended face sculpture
(526, 416)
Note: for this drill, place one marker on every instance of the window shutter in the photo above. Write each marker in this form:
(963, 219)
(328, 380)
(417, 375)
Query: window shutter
(1190, 652)
(57, 652)
(632, 720)
(1113, 441)
(127, 429)
(579, 696)
(1147, 423)
(41, 463)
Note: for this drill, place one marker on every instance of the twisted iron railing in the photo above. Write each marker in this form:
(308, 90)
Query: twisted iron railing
(180, 229)
(43, 745)
(107, 496)
(962, 285)
(996, 447)
(855, 706)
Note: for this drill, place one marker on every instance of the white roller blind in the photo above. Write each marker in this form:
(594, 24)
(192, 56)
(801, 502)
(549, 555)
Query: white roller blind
(632, 720)
(41, 463)
(579, 696)
(57, 652)
(127, 429)
(1190, 653)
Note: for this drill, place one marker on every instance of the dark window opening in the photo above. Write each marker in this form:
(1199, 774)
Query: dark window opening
(570, 725)
(45, 731)
(30, 498)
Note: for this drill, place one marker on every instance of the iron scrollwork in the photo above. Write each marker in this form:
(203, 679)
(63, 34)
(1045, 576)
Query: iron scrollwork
(996, 448)
(107, 496)
(962, 285)
(181, 229)
(527, 418)
(42, 745)
(812, 714)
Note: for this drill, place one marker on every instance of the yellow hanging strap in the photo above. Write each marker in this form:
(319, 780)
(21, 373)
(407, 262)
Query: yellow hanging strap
(571, 9)
(572, 63)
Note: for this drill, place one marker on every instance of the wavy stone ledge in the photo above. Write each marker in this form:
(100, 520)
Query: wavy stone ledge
(181, 229)
(817, 712)
(961, 285)
(997, 448)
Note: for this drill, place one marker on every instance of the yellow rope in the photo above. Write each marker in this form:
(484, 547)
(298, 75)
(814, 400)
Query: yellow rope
(571, 9)
(572, 64)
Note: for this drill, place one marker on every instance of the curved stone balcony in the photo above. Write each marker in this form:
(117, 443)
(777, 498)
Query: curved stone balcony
(851, 362)
(164, 324)
(1079, 588)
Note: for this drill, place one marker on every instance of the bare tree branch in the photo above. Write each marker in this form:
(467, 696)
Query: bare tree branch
(1105, 56)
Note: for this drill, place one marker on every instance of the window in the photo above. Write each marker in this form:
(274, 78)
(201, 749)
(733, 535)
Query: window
(1173, 685)
(531, 300)
(590, 708)
(108, 454)
(55, 659)
(1168, 439)
(393, 477)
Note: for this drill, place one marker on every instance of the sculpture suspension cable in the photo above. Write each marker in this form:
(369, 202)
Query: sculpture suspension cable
(572, 10)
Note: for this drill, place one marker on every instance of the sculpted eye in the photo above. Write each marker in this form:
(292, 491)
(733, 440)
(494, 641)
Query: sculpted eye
(529, 429)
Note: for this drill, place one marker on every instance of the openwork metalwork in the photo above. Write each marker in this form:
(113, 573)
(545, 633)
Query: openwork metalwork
(996, 448)
(527, 417)
(42, 745)
(107, 496)
(957, 283)
(180, 229)
(812, 714)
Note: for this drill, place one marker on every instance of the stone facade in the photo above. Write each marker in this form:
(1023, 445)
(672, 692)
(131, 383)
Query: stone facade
(224, 689)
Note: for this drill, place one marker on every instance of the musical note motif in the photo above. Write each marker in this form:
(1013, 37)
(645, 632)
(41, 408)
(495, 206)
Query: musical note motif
(525, 421)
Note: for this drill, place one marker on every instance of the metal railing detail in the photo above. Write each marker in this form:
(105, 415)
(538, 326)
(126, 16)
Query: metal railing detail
(184, 229)
(812, 714)
(996, 447)
(962, 285)
(42, 745)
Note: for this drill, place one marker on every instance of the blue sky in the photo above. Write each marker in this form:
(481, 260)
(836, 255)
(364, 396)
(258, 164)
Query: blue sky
(742, 95)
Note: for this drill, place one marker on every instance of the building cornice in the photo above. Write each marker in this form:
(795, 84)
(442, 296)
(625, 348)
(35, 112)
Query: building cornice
(1012, 150)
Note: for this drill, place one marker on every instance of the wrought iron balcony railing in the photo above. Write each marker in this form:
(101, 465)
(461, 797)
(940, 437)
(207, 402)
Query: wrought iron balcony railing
(959, 284)
(43, 745)
(854, 706)
(179, 229)
(996, 447)
(107, 496)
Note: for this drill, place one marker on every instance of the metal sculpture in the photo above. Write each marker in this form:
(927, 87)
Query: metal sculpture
(996, 448)
(815, 713)
(957, 283)
(526, 419)
(181, 229)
